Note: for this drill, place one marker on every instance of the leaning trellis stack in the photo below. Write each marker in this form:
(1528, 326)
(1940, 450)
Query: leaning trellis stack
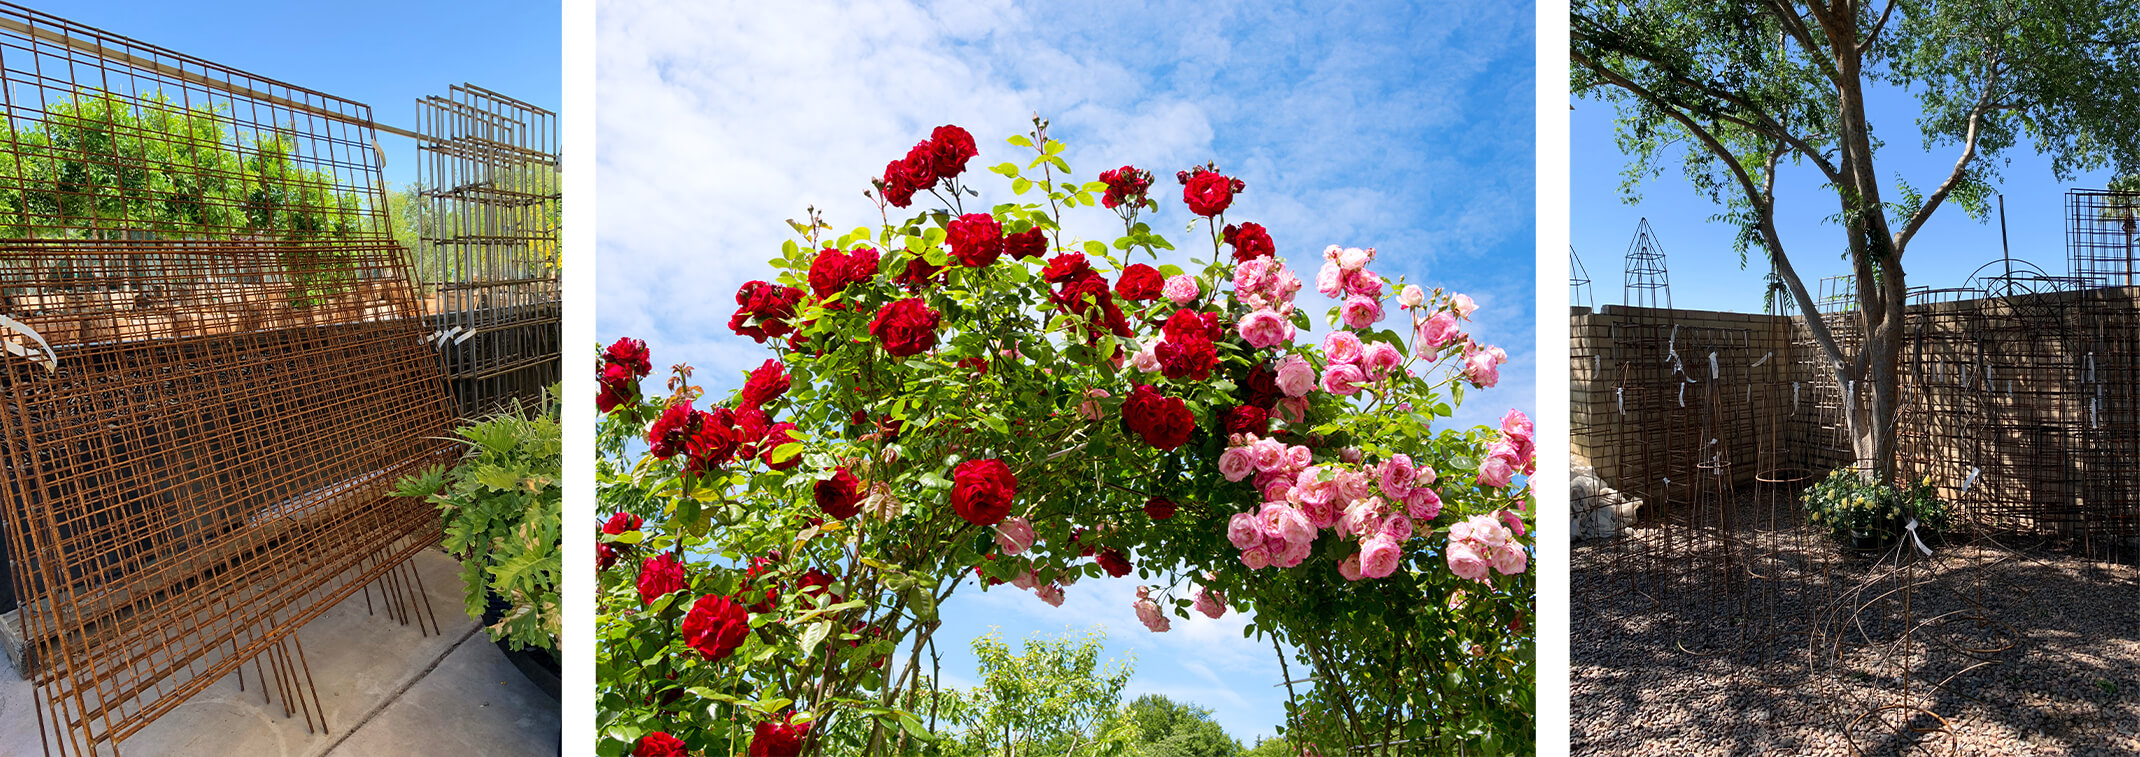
(215, 372)
(489, 240)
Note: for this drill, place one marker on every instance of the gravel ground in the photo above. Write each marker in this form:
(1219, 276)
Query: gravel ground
(1797, 647)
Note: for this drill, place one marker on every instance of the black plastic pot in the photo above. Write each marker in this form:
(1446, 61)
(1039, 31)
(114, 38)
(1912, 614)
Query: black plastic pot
(541, 666)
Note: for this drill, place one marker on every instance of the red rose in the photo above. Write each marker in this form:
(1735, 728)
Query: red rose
(632, 354)
(760, 566)
(1031, 243)
(1159, 508)
(1190, 324)
(1125, 185)
(1250, 240)
(764, 310)
(897, 186)
(1191, 358)
(658, 576)
(1076, 539)
(1248, 419)
(905, 327)
(1139, 282)
(976, 239)
(816, 583)
(1112, 560)
(715, 441)
(776, 436)
(1260, 387)
(673, 430)
(604, 556)
(918, 273)
(921, 166)
(840, 496)
(1207, 192)
(715, 626)
(781, 739)
(766, 383)
(1164, 422)
(658, 744)
(619, 386)
(620, 523)
(949, 149)
(981, 491)
(832, 270)
(1066, 267)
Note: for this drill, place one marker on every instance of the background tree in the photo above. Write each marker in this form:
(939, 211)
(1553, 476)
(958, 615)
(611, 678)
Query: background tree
(1746, 87)
(1166, 728)
(1055, 698)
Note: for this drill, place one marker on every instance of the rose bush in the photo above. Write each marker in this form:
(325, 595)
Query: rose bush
(975, 394)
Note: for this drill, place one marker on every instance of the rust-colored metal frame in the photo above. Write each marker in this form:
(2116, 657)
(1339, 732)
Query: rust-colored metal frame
(215, 373)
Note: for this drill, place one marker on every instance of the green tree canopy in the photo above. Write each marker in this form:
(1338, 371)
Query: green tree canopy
(1734, 90)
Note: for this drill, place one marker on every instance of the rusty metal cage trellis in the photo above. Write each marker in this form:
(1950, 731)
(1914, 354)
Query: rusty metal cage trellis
(215, 374)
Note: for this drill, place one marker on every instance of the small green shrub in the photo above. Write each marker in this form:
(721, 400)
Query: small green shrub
(503, 506)
(1846, 504)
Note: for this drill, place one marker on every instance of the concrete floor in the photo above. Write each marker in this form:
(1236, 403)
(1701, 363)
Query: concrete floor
(386, 690)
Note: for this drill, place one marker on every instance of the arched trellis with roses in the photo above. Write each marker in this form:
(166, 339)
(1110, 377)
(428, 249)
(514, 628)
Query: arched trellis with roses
(973, 394)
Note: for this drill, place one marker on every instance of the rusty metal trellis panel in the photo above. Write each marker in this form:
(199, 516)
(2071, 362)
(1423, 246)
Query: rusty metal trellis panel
(215, 373)
(490, 244)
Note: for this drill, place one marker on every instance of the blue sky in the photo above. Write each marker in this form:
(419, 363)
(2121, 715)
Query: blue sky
(1704, 269)
(1403, 126)
(383, 53)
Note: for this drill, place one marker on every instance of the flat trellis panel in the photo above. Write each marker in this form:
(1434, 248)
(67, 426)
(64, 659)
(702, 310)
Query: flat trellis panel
(215, 371)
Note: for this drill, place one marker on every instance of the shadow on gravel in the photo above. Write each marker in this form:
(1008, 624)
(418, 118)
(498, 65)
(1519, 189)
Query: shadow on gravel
(1798, 647)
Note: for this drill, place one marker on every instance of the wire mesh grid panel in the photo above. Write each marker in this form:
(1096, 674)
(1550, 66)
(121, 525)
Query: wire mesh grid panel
(489, 231)
(215, 371)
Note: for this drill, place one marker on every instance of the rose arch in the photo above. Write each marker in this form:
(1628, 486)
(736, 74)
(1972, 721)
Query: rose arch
(964, 392)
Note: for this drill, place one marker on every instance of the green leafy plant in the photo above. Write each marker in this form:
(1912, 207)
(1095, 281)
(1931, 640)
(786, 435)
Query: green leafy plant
(502, 507)
(1847, 504)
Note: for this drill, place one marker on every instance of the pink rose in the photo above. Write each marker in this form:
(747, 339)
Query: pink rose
(1422, 504)
(1275, 485)
(1342, 347)
(1148, 613)
(1147, 357)
(1363, 284)
(1014, 536)
(1510, 559)
(1354, 258)
(1309, 487)
(1495, 472)
(1463, 305)
(1381, 358)
(1465, 560)
(1517, 425)
(1321, 515)
(1252, 274)
(1256, 557)
(1269, 454)
(1181, 289)
(1287, 522)
(1211, 603)
(1437, 332)
(1350, 567)
(1514, 521)
(1298, 457)
(1363, 518)
(1344, 380)
(1352, 484)
(1295, 376)
(1360, 312)
(1480, 367)
(1487, 530)
(1292, 554)
(1264, 329)
(1090, 409)
(1396, 474)
(1330, 280)
(1379, 557)
(1397, 527)
(1051, 594)
(1244, 531)
(1026, 580)
(1235, 463)
(1425, 476)
(1293, 410)
(1411, 296)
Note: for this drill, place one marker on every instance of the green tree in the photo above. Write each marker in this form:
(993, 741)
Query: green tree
(1166, 728)
(1055, 698)
(1746, 87)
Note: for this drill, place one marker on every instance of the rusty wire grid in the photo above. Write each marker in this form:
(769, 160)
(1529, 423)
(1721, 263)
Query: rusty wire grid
(489, 245)
(215, 374)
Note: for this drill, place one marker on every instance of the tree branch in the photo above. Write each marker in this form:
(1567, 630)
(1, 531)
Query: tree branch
(1961, 166)
(1866, 43)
